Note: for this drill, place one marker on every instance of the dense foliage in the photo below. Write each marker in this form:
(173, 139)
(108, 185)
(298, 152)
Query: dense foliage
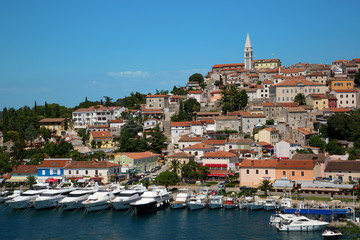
(167, 178)
(233, 99)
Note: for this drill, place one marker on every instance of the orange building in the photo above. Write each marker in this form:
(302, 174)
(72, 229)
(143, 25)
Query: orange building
(340, 83)
(294, 170)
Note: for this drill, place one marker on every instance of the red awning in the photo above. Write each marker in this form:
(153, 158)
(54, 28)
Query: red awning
(218, 165)
(207, 165)
(212, 165)
(51, 180)
(236, 164)
(221, 175)
(224, 165)
(96, 178)
(217, 175)
(200, 164)
(231, 174)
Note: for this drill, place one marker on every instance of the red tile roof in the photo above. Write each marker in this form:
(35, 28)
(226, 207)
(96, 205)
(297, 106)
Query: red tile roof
(214, 142)
(255, 163)
(116, 121)
(101, 134)
(296, 82)
(24, 169)
(50, 120)
(190, 139)
(181, 155)
(91, 164)
(296, 164)
(229, 65)
(195, 92)
(138, 155)
(268, 82)
(157, 96)
(336, 109)
(54, 163)
(346, 91)
(199, 146)
(180, 124)
(219, 154)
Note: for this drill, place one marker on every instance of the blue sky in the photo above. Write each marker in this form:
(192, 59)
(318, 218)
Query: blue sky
(62, 51)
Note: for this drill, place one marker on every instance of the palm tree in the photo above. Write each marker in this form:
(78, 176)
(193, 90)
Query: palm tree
(175, 165)
(30, 181)
(300, 99)
(265, 185)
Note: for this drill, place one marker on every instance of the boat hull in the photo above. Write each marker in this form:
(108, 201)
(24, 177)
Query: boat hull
(150, 207)
(215, 205)
(46, 204)
(178, 205)
(123, 205)
(71, 205)
(309, 228)
(97, 206)
(253, 207)
(196, 206)
(21, 204)
(269, 207)
(230, 206)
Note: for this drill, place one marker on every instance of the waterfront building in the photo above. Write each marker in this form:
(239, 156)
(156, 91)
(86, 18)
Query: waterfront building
(52, 168)
(321, 158)
(343, 170)
(21, 172)
(295, 170)
(252, 171)
(199, 150)
(99, 171)
(143, 161)
(182, 157)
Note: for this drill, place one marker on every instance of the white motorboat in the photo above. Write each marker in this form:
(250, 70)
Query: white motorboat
(243, 204)
(155, 199)
(181, 200)
(123, 200)
(331, 234)
(3, 195)
(197, 202)
(270, 204)
(301, 223)
(99, 200)
(27, 198)
(257, 204)
(216, 201)
(15, 194)
(286, 203)
(75, 198)
(230, 202)
(278, 217)
(51, 197)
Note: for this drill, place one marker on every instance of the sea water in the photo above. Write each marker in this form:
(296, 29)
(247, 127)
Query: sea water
(164, 224)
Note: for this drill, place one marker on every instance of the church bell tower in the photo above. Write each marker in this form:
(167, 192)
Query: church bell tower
(248, 54)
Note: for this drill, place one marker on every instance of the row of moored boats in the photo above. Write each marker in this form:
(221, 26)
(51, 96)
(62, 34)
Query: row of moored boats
(92, 197)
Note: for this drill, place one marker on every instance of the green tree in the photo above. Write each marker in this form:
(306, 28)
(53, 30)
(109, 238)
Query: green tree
(178, 91)
(146, 183)
(157, 140)
(300, 99)
(204, 172)
(357, 77)
(13, 135)
(5, 164)
(191, 105)
(108, 101)
(47, 110)
(31, 133)
(189, 171)
(66, 124)
(265, 185)
(45, 133)
(30, 181)
(196, 77)
(175, 165)
(167, 178)
(99, 144)
(339, 126)
(162, 92)
(85, 135)
(316, 141)
(334, 148)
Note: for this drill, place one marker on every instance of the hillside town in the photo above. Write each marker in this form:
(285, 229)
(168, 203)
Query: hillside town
(258, 120)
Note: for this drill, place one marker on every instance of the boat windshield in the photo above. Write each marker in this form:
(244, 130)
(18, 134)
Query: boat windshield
(126, 194)
(28, 194)
(77, 194)
(49, 194)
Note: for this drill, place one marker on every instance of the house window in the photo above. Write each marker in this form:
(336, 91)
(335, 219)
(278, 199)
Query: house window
(43, 172)
(96, 172)
(247, 171)
(77, 171)
(69, 172)
(284, 173)
(86, 172)
(302, 173)
(292, 173)
(257, 171)
(266, 171)
(350, 178)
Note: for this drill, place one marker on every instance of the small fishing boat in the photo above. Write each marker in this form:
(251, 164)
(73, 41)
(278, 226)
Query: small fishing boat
(270, 204)
(181, 199)
(230, 203)
(331, 234)
(216, 201)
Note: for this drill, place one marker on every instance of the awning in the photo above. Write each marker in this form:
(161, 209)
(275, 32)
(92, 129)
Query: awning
(231, 174)
(236, 164)
(212, 165)
(200, 164)
(217, 175)
(207, 165)
(218, 165)
(17, 179)
(224, 165)
(96, 178)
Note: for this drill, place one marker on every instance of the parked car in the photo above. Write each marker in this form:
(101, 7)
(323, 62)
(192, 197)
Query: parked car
(146, 173)
(158, 167)
(132, 181)
(154, 175)
(153, 170)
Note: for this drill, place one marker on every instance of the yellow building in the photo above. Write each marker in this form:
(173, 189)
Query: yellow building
(269, 135)
(340, 83)
(55, 125)
(102, 136)
(266, 63)
(318, 101)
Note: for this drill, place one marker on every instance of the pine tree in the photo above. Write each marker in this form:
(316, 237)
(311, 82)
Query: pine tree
(66, 125)
(35, 107)
(47, 110)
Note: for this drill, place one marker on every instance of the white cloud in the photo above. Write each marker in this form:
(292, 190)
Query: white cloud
(128, 74)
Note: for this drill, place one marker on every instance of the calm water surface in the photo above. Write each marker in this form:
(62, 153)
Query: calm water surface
(164, 224)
